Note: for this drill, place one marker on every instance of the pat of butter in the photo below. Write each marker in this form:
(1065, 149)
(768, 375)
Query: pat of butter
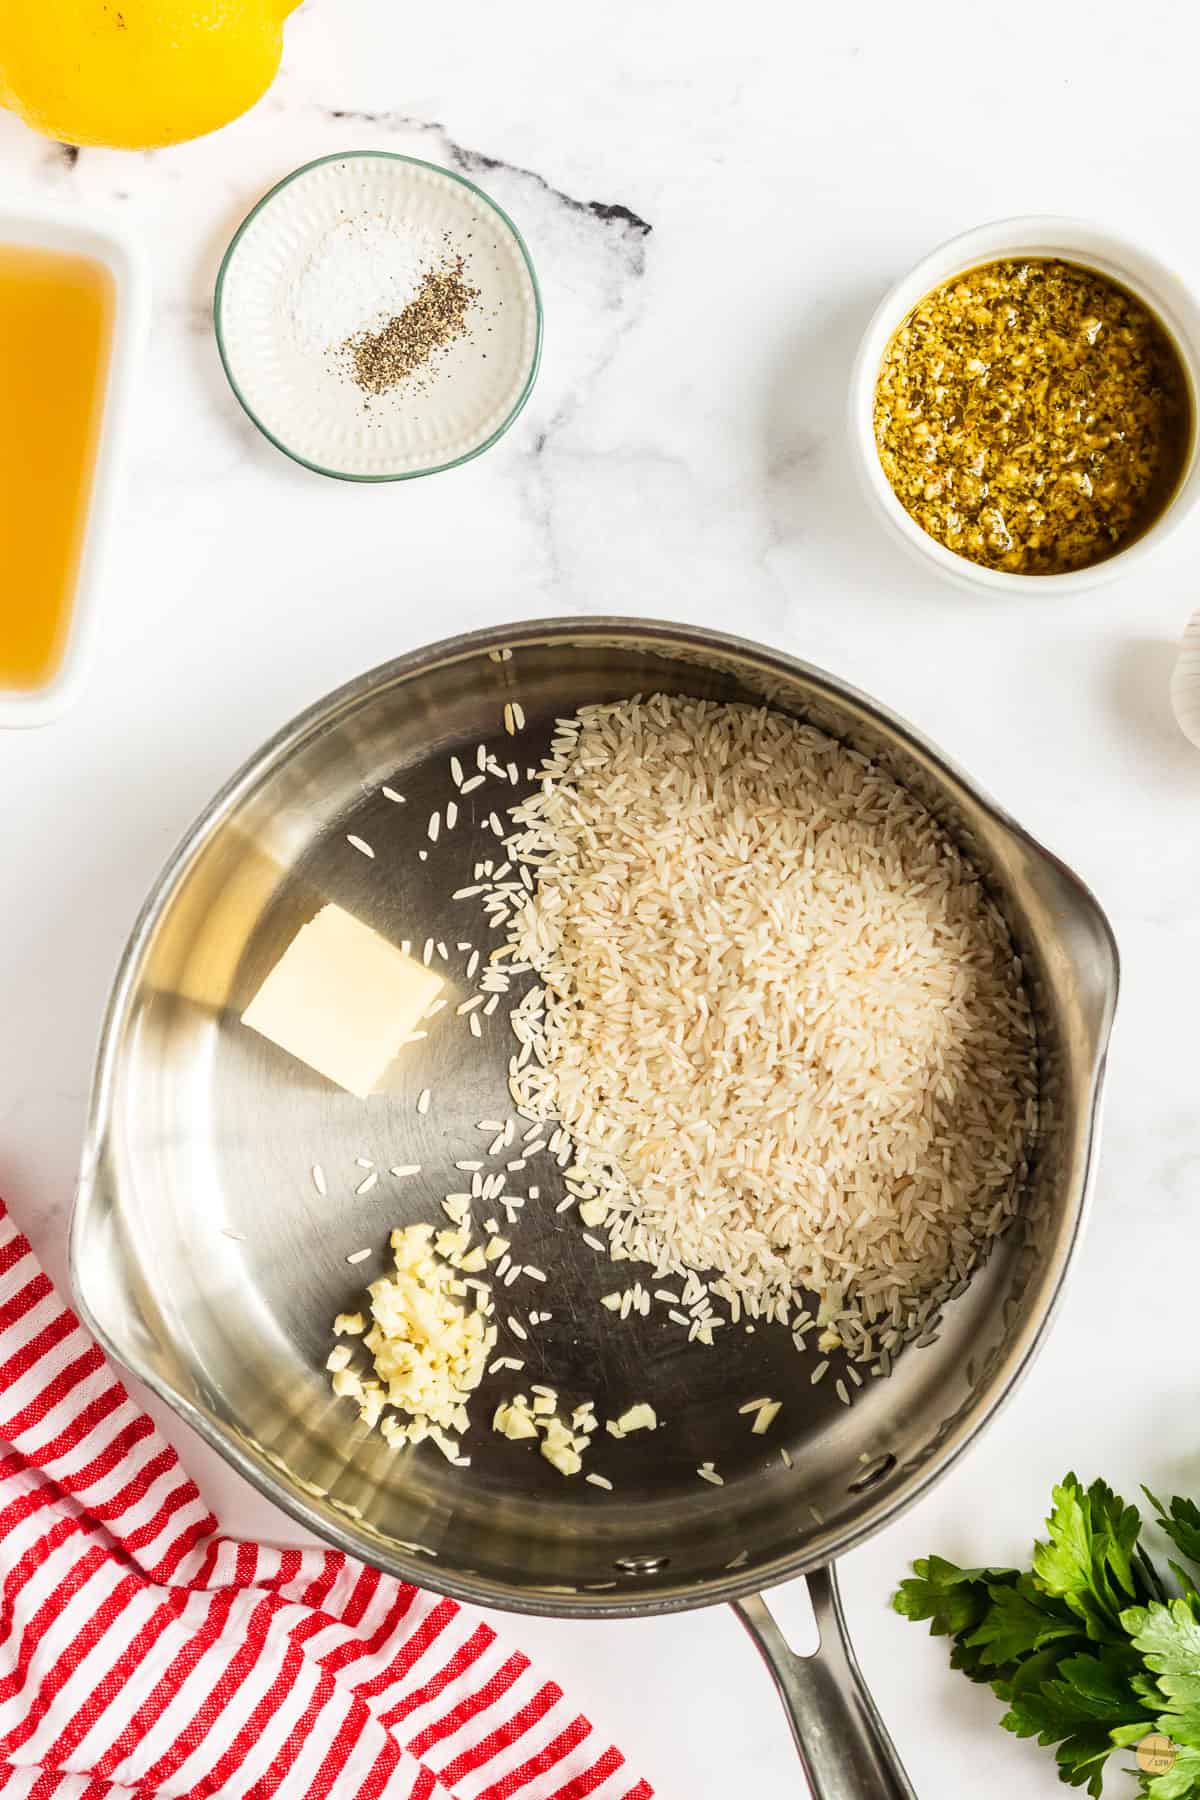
(343, 1000)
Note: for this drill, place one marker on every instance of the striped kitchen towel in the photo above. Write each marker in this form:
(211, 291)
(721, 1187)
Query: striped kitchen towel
(144, 1653)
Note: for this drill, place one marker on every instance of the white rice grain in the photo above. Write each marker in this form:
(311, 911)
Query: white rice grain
(826, 1056)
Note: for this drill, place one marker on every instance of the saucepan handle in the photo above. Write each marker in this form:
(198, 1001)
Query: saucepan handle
(843, 1743)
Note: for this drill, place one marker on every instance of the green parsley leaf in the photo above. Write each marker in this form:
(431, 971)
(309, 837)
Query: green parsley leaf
(1181, 1524)
(1020, 1620)
(1088, 1560)
(1084, 1649)
(954, 1601)
(1168, 1638)
(1191, 1591)
(1077, 1702)
(1182, 1780)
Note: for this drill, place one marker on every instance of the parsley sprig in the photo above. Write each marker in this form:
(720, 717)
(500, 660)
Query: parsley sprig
(1089, 1649)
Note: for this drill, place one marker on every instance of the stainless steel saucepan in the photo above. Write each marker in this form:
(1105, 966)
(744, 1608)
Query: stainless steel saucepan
(206, 1260)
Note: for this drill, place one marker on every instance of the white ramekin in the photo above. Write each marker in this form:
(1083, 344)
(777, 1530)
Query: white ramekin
(1074, 240)
(60, 230)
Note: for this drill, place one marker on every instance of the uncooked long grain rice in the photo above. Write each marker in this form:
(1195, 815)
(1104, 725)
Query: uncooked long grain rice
(779, 1026)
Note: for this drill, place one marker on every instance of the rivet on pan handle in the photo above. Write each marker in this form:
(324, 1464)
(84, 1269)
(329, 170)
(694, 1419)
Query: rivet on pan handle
(843, 1743)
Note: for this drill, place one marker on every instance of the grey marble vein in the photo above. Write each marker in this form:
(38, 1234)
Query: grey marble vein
(478, 162)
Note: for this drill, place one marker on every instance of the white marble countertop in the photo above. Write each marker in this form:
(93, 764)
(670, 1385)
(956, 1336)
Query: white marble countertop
(715, 198)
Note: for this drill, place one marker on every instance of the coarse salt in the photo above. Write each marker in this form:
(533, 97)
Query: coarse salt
(363, 272)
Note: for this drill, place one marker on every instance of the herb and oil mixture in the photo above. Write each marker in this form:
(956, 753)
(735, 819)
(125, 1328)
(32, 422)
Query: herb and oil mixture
(1033, 416)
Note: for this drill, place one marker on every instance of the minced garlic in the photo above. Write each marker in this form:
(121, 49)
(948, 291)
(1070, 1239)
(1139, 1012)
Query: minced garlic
(641, 1417)
(562, 1444)
(428, 1349)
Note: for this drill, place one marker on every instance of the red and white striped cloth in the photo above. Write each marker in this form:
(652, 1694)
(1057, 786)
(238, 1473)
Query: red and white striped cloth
(144, 1653)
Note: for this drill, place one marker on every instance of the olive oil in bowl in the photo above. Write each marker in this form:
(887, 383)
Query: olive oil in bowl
(57, 309)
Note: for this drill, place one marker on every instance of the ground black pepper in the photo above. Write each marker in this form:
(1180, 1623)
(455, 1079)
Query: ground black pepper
(430, 323)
